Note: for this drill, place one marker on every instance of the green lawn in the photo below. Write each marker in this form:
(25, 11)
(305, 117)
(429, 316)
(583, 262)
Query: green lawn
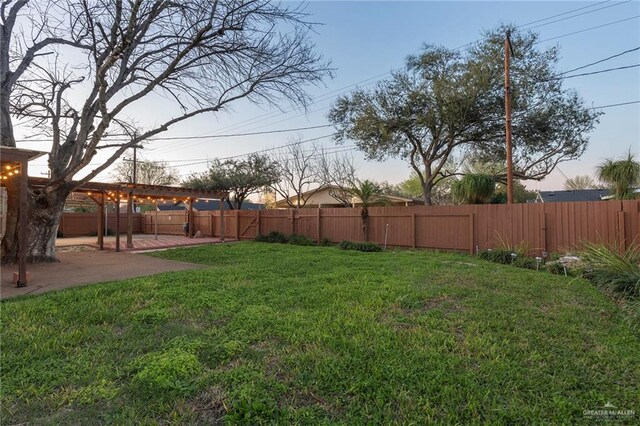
(285, 334)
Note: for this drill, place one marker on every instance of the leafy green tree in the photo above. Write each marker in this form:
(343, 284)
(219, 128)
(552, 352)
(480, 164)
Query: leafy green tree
(520, 193)
(580, 182)
(445, 103)
(623, 176)
(474, 189)
(368, 193)
(240, 177)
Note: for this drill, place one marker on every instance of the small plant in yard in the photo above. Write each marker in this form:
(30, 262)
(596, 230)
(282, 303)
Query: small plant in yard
(300, 240)
(365, 247)
(171, 373)
(325, 242)
(272, 237)
(606, 267)
(526, 263)
(497, 256)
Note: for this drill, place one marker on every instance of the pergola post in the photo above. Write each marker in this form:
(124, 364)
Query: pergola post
(222, 220)
(22, 224)
(101, 222)
(130, 220)
(155, 220)
(190, 218)
(117, 221)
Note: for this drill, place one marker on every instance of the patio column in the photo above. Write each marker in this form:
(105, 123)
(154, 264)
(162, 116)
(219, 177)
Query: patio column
(118, 221)
(155, 220)
(130, 220)
(190, 218)
(101, 222)
(22, 224)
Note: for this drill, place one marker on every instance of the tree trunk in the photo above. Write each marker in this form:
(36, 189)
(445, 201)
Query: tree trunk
(428, 187)
(6, 125)
(44, 211)
(365, 223)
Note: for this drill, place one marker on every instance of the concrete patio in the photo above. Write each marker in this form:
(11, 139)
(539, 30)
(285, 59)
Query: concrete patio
(81, 266)
(141, 242)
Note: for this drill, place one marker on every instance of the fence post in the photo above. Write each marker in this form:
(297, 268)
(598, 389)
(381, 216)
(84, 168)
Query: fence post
(293, 222)
(622, 244)
(257, 222)
(544, 231)
(319, 224)
(211, 225)
(237, 225)
(471, 232)
(413, 230)
(222, 225)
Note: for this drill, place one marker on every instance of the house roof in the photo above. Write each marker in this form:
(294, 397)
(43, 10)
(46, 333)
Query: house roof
(573, 195)
(392, 198)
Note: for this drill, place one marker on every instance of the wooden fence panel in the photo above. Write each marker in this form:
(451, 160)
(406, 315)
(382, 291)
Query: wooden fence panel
(82, 224)
(550, 226)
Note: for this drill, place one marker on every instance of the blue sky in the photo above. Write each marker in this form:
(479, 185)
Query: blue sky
(367, 39)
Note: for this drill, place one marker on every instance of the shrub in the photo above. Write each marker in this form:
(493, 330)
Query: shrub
(325, 242)
(273, 237)
(526, 263)
(556, 267)
(261, 238)
(365, 247)
(610, 269)
(497, 256)
(300, 240)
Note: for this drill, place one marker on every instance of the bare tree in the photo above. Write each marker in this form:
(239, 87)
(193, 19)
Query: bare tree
(339, 173)
(147, 172)
(203, 55)
(298, 173)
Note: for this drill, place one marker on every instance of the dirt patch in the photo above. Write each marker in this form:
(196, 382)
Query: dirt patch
(209, 406)
(446, 303)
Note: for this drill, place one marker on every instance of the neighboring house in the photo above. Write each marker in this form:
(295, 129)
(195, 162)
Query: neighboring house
(571, 195)
(206, 205)
(331, 196)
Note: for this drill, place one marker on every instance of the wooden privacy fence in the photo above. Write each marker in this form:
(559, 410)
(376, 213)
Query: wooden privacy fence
(79, 224)
(546, 226)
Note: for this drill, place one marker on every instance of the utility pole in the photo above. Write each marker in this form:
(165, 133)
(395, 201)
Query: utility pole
(508, 49)
(135, 164)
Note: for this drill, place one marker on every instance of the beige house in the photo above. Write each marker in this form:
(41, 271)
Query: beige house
(333, 196)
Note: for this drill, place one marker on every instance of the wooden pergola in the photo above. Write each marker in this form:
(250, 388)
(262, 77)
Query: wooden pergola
(101, 192)
(15, 164)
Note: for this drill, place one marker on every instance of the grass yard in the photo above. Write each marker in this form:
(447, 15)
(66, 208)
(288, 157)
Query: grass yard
(284, 334)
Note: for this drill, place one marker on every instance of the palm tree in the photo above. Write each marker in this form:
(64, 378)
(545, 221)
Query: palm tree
(368, 192)
(580, 182)
(621, 176)
(474, 188)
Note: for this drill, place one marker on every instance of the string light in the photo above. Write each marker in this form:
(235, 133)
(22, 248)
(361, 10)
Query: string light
(10, 171)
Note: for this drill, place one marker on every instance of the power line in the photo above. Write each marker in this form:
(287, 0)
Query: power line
(336, 150)
(580, 14)
(615, 105)
(168, 138)
(593, 72)
(602, 60)
(588, 29)
(564, 13)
